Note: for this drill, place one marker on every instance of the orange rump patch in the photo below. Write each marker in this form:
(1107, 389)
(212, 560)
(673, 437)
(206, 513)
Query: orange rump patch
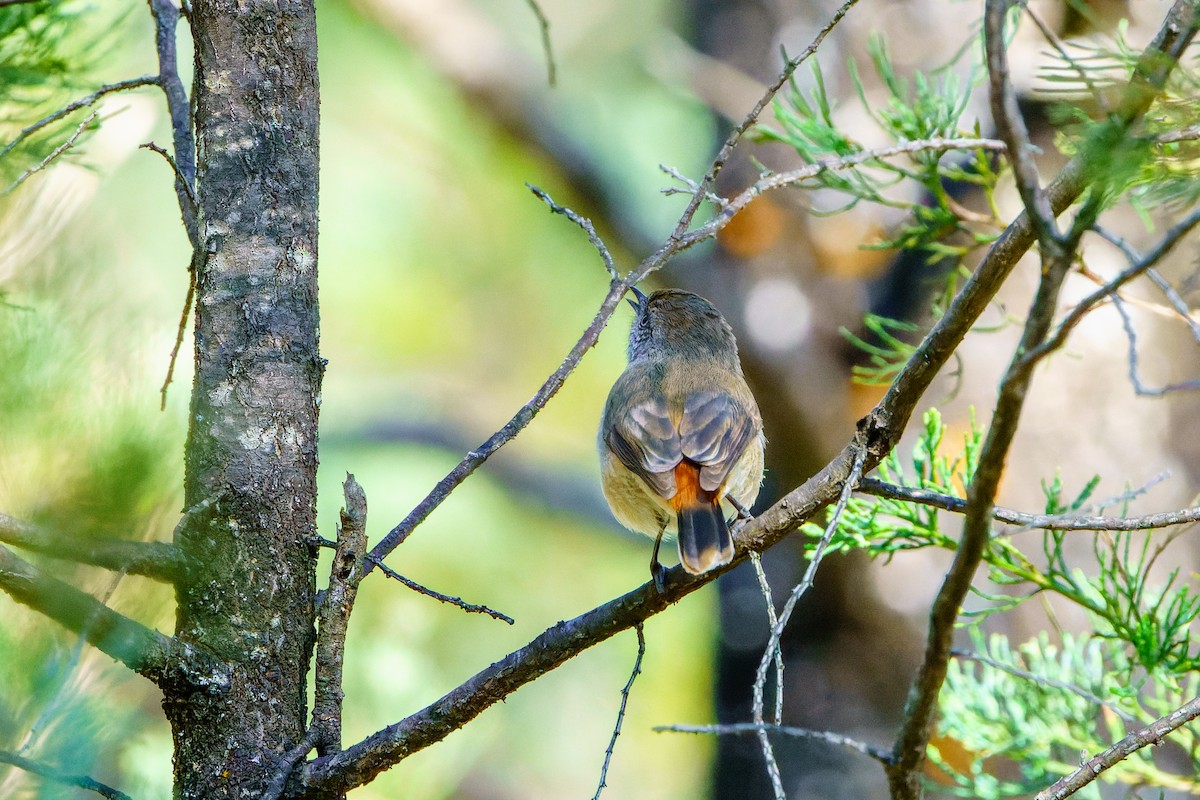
(688, 491)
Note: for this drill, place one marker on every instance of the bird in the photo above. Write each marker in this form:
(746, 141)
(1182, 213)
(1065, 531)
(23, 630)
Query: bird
(681, 432)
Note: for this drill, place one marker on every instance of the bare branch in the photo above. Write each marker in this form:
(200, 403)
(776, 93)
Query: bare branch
(334, 616)
(544, 28)
(585, 224)
(772, 621)
(612, 743)
(158, 560)
(1139, 387)
(1173, 237)
(706, 183)
(147, 652)
(1093, 767)
(806, 582)
(179, 333)
(1055, 522)
(166, 18)
(1011, 127)
(880, 754)
(1177, 302)
(83, 102)
(444, 598)
(54, 154)
(56, 775)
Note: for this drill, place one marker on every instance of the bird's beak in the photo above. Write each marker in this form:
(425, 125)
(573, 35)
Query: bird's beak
(638, 304)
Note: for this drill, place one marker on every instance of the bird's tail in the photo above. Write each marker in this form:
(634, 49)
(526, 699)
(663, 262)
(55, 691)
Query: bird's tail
(704, 539)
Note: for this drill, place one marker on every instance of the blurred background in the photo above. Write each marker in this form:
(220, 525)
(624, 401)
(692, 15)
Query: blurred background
(448, 294)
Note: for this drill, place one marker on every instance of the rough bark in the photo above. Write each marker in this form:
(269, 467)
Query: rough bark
(252, 443)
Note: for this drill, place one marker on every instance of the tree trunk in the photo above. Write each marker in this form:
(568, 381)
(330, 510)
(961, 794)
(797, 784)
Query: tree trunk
(251, 453)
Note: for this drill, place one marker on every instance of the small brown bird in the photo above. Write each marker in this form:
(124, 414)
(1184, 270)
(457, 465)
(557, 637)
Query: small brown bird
(681, 431)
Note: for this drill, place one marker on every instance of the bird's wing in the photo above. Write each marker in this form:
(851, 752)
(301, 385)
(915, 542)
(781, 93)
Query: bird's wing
(647, 443)
(714, 432)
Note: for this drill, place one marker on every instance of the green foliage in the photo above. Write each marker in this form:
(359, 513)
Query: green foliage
(1026, 713)
(1043, 702)
(919, 107)
(888, 353)
(46, 52)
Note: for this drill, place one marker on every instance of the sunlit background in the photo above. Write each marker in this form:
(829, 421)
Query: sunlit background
(448, 294)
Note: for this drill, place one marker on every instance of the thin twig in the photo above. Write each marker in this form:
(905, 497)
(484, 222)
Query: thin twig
(166, 19)
(83, 102)
(544, 27)
(585, 224)
(1093, 767)
(1010, 126)
(58, 776)
(1055, 522)
(772, 620)
(1168, 242)
(966, 655)
(760, 676)
(1177, 302)
(1140, 388)
(179, 334)
(179, 176)
(445, 598)
(612, 743)
(1052, 39)
(880, 754)
(58, 151)
(789, 68)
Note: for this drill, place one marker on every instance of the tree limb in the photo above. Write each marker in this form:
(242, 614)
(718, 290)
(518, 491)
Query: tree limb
(158, 560)
(147, 652)
(58, 776)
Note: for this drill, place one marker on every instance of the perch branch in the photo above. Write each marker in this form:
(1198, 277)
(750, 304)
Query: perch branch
(676, 244)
